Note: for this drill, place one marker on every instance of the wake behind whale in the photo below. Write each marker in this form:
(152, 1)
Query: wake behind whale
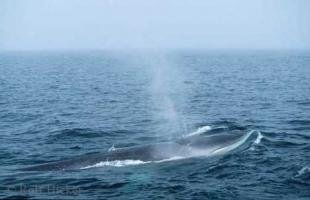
(203, 142)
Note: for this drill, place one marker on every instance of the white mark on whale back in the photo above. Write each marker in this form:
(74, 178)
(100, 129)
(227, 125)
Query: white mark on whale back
(200, 131)
(170, 159)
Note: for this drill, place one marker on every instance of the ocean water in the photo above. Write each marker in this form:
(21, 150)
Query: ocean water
(57, 105)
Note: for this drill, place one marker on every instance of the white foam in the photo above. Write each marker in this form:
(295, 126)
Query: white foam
(116, 163)
(200, 131)
(259, 137)
(123, 163)
(257, 140)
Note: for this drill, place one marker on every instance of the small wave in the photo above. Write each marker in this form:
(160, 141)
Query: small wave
(304, 103)
(299, 122)
(199, 131)
(303, 171)
(116, 163)
(288, 143)
(77, 132)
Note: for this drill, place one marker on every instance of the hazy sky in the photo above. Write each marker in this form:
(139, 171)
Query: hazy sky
(105, 24)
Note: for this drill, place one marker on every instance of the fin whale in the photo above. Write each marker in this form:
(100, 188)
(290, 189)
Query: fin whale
(191, 146)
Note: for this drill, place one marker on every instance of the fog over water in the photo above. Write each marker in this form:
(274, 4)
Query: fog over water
(119, 24)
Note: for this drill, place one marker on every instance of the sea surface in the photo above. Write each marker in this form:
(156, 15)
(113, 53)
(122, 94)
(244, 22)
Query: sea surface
(57, 105)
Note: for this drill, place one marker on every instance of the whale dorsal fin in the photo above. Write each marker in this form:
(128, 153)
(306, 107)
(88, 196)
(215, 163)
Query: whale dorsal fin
(112, 148)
